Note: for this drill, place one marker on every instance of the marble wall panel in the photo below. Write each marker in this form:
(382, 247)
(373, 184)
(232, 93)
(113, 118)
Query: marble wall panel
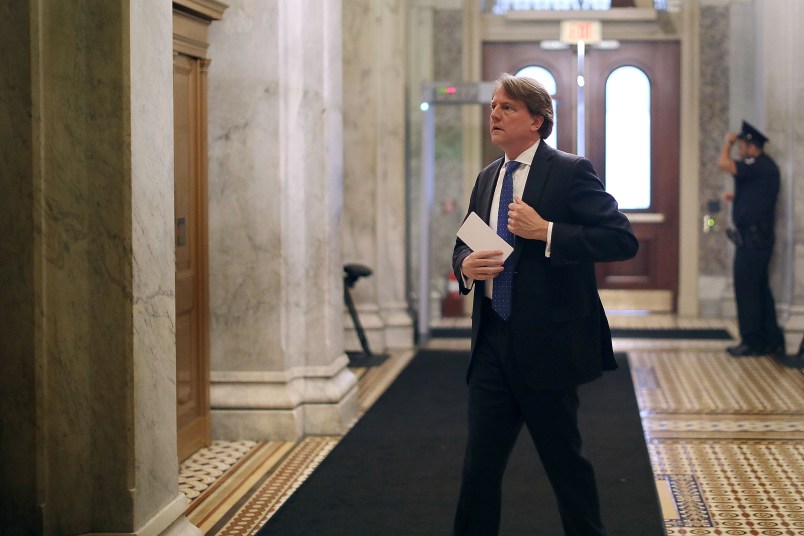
(390, 203)
(374, 166)
(360, 138)
(245, 201)
(276, 202)
(782, 91)
(450, 199)
(313, 131)
(99, 195)
(149, 50)
(779, 84)
(715, 251)
(275, 184)
(85, 300)
(18, 406)
(443, 46)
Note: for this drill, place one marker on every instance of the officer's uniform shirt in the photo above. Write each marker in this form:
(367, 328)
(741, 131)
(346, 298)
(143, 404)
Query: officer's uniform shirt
(756, 186)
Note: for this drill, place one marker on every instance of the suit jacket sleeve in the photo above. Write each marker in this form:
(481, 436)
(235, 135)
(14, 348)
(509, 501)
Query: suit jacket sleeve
(592, 229)
(461, 250)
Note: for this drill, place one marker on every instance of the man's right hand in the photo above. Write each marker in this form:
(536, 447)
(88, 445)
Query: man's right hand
(482, 265)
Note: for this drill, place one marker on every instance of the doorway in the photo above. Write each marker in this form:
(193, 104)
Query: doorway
(190, 64)
(630, 134)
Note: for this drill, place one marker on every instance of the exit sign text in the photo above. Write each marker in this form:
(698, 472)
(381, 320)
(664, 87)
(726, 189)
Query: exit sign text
(588, 31)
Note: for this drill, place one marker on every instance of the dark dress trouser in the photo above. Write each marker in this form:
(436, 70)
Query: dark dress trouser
(756, 309)
(499, 404)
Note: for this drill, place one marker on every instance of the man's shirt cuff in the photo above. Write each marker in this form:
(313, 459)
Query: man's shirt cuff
(467, 281)
(549, 238)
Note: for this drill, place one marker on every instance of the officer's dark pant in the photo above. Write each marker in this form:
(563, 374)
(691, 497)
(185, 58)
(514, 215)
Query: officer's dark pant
(499, 403)
(756, 310)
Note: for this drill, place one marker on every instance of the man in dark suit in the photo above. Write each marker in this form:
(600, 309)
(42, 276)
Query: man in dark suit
(538, 327)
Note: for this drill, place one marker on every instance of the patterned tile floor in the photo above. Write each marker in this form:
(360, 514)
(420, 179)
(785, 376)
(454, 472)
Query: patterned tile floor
(234, 487)
(725, 437)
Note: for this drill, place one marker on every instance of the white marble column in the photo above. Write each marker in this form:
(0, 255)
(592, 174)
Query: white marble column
(88, 431)
(374, 169)
(275, 203)
(782, 97)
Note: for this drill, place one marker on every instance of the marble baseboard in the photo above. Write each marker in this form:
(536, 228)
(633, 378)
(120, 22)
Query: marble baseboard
(794, 329)
(398, 328)
(380, 340)
(182, 527)
(384, 331)
(257, 425)
(291, 424)
(285, 390)
(375, 336)
(169, 521)
(399, 337)
(332, 419)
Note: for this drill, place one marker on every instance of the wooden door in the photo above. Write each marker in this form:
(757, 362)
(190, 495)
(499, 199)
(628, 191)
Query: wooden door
(650, 280)
(653, 273)
(192, 331)
(192, 302)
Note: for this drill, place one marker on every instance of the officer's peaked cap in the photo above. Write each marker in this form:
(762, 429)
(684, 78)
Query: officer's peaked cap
(750, 134)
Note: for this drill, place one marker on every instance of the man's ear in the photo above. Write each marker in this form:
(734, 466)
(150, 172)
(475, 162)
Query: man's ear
(538, 120)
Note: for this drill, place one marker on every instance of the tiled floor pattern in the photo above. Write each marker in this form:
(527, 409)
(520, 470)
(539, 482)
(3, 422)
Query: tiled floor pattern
(725, 437)
(234, 487)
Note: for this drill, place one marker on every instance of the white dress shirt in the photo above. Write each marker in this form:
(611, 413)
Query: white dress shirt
(520, 179)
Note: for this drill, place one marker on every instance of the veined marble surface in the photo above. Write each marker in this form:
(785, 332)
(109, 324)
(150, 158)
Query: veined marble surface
(101, 393)
(375, 167)
(275, 205)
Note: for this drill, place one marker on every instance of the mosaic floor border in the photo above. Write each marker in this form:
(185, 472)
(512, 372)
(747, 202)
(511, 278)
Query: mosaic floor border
(229, 483)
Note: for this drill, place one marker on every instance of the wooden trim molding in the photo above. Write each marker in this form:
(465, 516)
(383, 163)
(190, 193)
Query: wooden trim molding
(190, 30)
(208, 9)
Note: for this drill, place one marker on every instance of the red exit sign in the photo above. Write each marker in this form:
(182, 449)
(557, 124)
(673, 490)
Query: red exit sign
(588, 31)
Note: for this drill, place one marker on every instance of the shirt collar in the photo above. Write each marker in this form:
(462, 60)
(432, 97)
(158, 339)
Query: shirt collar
(526, 157)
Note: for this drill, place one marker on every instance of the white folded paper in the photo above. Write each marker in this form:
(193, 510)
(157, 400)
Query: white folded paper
(480, 237)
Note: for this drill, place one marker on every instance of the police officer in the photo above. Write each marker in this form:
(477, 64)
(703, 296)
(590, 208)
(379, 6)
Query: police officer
(756, 187)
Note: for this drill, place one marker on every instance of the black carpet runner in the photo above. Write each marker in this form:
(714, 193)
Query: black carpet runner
(397, 472)
(618, 333)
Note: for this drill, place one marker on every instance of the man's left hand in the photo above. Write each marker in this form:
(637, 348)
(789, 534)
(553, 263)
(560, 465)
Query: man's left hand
(524, 221)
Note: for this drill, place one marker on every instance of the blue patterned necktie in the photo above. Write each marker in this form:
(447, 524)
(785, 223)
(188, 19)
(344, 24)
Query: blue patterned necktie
(501, 294)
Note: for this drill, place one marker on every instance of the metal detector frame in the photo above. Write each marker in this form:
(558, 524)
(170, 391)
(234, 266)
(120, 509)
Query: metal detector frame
(437, 94)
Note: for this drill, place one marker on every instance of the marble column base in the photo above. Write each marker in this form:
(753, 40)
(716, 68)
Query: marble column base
(286, 425)
(714, 294)
(398, 327)
(182, 527)
(794, 329)
(386, 329)
(373, 328)
(283, 405)
(170, 521)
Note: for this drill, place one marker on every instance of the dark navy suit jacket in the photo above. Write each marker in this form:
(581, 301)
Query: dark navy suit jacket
(561, 336)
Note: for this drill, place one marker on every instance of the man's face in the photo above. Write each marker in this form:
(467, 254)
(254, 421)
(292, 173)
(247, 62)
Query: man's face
(746, 150)
(742, 149)
(513, 128)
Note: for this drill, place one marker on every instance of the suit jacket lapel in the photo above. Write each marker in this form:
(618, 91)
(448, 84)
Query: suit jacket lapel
(538, 174)
(484, 208)
(537, 178)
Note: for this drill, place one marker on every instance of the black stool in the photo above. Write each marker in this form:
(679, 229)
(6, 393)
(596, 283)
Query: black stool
(351, 273)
